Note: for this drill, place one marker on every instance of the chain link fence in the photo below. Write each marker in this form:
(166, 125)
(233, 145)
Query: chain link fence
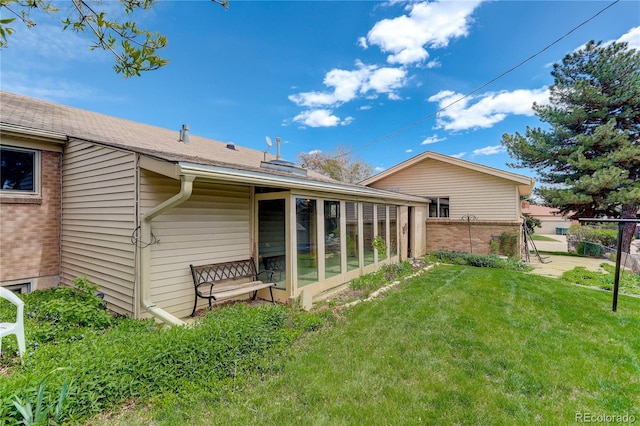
(588, 248)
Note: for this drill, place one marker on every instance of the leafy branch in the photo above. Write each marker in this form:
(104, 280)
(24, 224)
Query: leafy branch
(135, 50)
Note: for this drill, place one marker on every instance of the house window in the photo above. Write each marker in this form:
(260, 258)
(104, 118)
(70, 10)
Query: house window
(19, 287)
(439, 207)
(19, 171)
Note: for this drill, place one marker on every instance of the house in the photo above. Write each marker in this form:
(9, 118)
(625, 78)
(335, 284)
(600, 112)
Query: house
(469, 203)
(551, 221)
(131, 206)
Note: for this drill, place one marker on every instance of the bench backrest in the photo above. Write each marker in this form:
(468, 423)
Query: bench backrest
(215, 272)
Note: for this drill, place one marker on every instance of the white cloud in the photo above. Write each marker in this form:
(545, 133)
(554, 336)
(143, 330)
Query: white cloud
(321, 118)
(486, 110)
(314, 152)
(52, 89)
(60, 44)
(428, 24)
(433, 64)
(632, 37)
(346, 85)
(378, 169)
(432, 139)
(384, 80)
(458, 155)
(362, 42)
(489, 150)
(408, 150)
(367, 81)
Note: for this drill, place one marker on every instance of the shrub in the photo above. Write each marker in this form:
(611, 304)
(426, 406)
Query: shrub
(578, 234)
(61, 313)
(478, 260)
(509, 244)
(531, 222)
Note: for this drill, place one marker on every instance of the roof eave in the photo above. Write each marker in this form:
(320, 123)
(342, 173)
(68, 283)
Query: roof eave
(520, 179)
(293, 182)
(32, 133)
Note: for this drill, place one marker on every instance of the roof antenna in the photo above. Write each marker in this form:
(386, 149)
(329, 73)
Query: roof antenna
(269, 145)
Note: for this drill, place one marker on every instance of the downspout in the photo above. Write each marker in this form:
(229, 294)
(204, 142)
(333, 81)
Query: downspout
(186, 186)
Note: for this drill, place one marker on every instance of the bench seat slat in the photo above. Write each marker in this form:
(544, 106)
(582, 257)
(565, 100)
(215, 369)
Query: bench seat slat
(216, 280)
(224, 292)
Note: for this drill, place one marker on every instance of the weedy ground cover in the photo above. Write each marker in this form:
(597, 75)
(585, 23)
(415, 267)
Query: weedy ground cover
(81, 361)
(629, 283)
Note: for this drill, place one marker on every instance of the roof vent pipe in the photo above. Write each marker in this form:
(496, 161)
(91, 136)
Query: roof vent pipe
(231, 146)
(184, 134)
(278, 147)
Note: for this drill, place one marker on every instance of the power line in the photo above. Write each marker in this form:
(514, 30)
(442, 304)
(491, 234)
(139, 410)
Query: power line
(466, 95)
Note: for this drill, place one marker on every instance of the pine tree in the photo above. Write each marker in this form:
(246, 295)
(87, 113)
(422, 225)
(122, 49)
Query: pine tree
(588, 157)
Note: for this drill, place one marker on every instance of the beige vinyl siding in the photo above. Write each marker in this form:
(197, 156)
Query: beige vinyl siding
(98, 218)
(211, 226)
(486, 196)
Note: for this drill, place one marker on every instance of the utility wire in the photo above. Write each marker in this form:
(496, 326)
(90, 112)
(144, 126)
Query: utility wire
(468, 94)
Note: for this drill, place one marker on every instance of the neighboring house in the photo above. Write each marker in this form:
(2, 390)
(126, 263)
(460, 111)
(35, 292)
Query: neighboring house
(131, 206)
(551, 221)
(469, 203)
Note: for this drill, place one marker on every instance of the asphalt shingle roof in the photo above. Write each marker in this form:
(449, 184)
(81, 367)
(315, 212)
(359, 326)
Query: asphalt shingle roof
(75, 123)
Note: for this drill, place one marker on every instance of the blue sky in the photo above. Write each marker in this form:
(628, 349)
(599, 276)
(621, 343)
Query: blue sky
(367, 76)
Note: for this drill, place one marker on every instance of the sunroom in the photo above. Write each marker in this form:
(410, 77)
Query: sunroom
(317, 235)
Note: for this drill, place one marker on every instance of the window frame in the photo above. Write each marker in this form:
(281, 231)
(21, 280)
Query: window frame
(37, 172)
(436, 201)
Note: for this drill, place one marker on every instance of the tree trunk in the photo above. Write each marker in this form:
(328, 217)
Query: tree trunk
(629, 211)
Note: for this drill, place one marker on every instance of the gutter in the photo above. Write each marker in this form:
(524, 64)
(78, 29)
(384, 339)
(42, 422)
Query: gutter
(186, 187)
(293, 182)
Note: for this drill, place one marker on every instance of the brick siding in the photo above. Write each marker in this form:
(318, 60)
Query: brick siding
(454, 235)
(30, 228)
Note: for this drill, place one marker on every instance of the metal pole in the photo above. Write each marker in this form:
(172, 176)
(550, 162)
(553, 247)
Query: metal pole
(469, 217)
(469, 226)
(621, 223)
(616, 281)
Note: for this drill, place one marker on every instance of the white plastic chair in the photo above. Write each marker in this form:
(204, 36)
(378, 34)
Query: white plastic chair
(17, 328)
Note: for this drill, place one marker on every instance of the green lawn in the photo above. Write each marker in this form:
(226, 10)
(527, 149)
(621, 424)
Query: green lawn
(537, 237)
(459, 345)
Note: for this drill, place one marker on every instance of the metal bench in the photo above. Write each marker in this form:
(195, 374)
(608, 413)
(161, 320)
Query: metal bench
(225, 280)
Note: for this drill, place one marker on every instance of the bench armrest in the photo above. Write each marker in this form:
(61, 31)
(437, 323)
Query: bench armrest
(210, 284)
(269, 273)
